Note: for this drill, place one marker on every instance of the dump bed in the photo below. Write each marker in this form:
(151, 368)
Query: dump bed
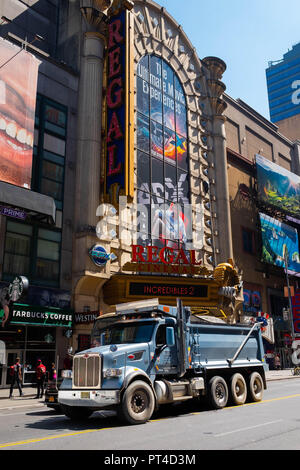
(214, 345)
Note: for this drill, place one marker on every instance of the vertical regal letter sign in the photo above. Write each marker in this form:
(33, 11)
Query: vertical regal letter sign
(119, 102)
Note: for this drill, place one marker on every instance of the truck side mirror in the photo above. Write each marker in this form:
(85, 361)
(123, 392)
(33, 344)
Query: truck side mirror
(170, 336)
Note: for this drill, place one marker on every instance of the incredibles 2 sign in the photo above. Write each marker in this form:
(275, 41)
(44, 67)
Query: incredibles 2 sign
(119, 104)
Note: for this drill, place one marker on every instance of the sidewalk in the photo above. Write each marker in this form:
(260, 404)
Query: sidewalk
(30, 392)
(27, 400)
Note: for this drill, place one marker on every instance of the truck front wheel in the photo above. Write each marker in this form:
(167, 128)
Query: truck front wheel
(218, 392)
(138, 403)
(76, 413)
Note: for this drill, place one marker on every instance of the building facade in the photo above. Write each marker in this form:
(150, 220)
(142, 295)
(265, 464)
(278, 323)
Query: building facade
(283, 84)
(140, 176)
(37, 206)
(256, 218)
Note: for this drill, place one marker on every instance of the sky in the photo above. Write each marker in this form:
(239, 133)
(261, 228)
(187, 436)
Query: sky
(246, 34)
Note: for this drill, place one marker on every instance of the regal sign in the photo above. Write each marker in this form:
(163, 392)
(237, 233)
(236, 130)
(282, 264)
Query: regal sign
(119, 102)
(164, 260)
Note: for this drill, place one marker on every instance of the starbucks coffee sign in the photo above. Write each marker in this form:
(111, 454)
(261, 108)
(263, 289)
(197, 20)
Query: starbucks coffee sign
(40, 316)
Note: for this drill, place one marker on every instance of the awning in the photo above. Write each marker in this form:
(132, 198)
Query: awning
(35, 204)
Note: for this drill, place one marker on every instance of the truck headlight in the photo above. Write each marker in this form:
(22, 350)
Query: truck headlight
(112, 373)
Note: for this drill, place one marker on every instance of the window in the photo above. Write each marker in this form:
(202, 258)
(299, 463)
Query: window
(32, 251)
(162, 154)
(50, 149)
(17, 248)
(248, 240)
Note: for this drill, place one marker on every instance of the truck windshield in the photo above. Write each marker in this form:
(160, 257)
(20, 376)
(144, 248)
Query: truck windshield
(121, 333)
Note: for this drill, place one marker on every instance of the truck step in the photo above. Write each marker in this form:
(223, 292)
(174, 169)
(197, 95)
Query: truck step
(183, 398)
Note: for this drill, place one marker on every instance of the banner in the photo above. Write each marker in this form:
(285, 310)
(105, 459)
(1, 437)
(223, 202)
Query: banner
(277, 186)
(18, 84)
(278, 239)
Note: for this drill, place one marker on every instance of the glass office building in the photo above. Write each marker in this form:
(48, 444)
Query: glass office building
(283, 83)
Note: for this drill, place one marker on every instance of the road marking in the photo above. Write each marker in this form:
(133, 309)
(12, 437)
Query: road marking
(263, 401)
(77, 433)
(40, 439)
(247, 429)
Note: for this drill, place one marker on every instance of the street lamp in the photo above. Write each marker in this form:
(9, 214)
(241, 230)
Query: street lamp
(286, 257)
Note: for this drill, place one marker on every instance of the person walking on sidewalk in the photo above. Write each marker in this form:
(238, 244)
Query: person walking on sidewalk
(40, 378)
(16, 377)
(277, 362)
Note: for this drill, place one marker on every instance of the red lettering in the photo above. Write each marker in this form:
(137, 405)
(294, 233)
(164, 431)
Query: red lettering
(152, 251)
(181, 256)
(137, 253)
(114, 67)
(114, 98)
(162, 256)
(193, 258)
(112, 170)
(114, 35)
(114, 128)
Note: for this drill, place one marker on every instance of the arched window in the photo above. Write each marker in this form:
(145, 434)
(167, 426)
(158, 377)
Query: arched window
(162, 155)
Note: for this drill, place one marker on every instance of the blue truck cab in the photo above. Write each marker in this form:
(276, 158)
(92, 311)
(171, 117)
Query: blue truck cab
(145, 355)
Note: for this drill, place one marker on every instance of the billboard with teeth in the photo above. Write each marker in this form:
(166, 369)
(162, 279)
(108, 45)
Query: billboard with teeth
(18, 84)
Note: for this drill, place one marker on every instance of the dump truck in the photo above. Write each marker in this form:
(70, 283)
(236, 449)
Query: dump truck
(146, 355)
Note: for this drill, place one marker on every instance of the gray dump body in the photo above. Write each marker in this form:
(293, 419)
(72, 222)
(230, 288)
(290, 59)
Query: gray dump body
(215, 345)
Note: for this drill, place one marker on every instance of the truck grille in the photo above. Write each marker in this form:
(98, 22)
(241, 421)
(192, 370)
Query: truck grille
(87, 371)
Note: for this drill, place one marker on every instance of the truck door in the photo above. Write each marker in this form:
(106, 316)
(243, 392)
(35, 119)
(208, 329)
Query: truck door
(165, 359)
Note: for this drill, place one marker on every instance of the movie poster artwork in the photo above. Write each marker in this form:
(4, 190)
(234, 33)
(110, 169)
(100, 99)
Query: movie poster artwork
(160, 97)
(277, 186)
(277, 240)
(18, 85)
(164, 214)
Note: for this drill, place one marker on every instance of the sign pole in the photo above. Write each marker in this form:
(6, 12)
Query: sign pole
(289, 294)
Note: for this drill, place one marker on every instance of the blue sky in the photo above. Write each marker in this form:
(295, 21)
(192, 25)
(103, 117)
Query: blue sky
(246, 34)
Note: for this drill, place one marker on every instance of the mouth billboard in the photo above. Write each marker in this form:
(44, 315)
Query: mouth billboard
(18, 84)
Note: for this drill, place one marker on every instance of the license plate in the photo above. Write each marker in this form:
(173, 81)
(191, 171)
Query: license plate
(51, 399)
(85, 394)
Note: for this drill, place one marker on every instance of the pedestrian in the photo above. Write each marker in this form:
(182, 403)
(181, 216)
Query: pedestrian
(52, 374)
(40, 378)
(16, 377)
(277, 362)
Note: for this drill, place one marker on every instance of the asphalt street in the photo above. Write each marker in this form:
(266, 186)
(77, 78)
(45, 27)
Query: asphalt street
(271, 424)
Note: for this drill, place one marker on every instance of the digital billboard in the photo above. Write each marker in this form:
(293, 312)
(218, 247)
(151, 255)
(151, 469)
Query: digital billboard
(18, 84)
(277, 186)
(278, 239)
(162, 155)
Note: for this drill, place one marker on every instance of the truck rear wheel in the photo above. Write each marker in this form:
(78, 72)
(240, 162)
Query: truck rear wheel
(138, 403)
(76, 413)
(256, 387)
(238, 389)
(218, 392)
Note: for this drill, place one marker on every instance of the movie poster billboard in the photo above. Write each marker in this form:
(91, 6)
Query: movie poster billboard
(18, 85)
(278, 239)
(277, 186)
(165, 216)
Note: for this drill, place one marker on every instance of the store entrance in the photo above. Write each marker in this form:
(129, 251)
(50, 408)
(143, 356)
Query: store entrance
(10, 359)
